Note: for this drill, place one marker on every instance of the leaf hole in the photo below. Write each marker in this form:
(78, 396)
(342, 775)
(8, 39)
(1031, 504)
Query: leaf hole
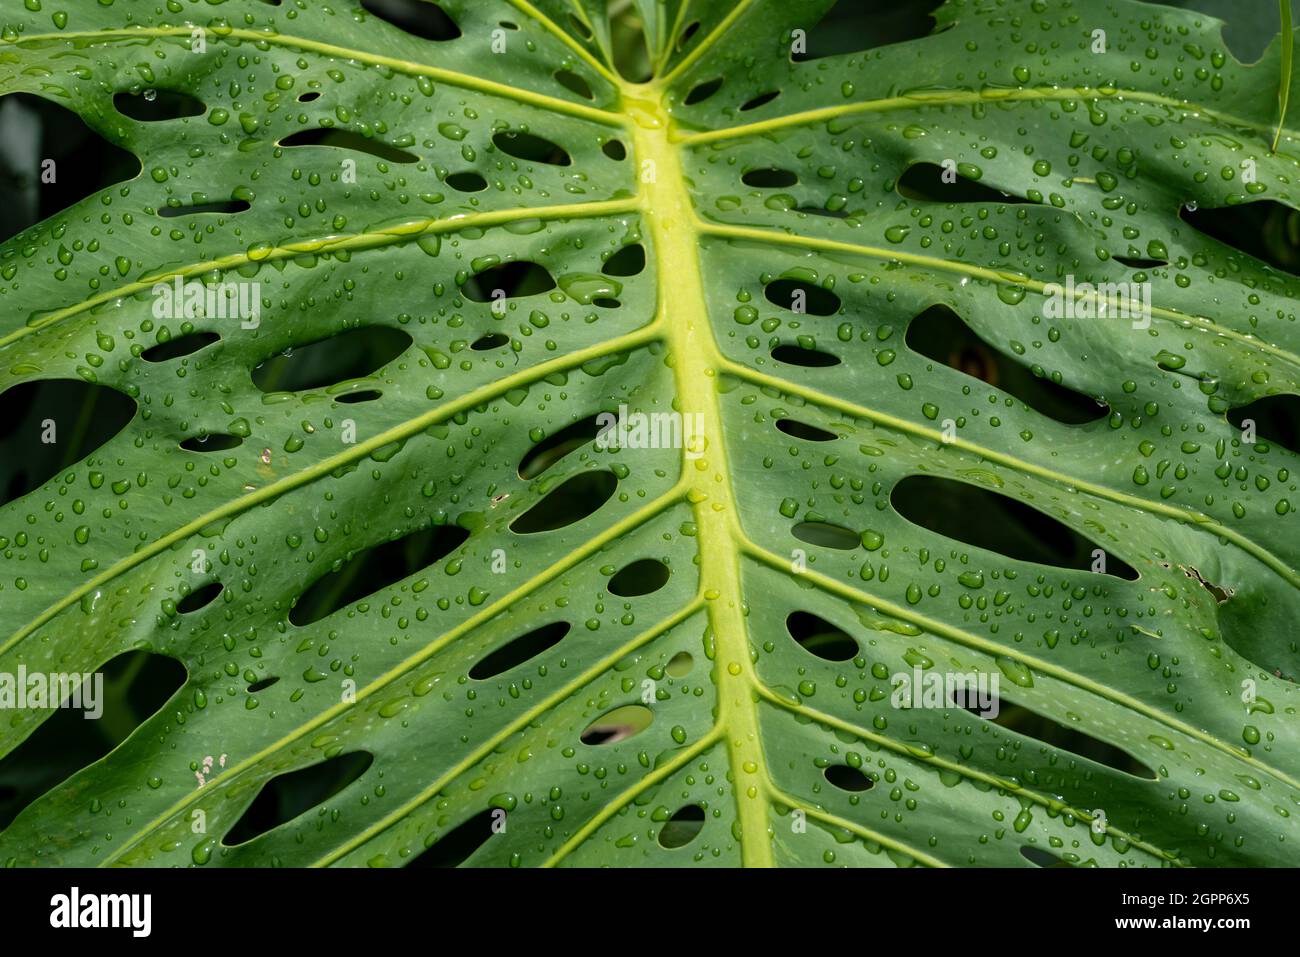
(467, 182)
(997, 523)
(1133, 262)
(807, 358)
(155, 106)
(940, 334)
(519, 650)
(614, 149)
(199, 598)
(702, 91)
(288, 795)
(228, 207)
(372, 569)
(511, 280)
(362, 395)
(175, 348)
(1040, 857)
(682, 828)
(847, 778)
(819, 637)
(680, 665)
(568, 504)
(924, 182)
(642, 577)
(347, 140)
(84, 162)
(490, 341)
(1276, 418)
(802, 430)
(213, 442)
(557, 445)
(531, 148)
(628, 261)
(769, 178)
(580, 27)
(575, 84)
(421, 18)
(354, 354)
(1031, 724)
(262, 685)
(761, 100)
(618, 725)
(309, 96)
(802, 297)
(136, 685)
(458, 845)
(51, 424)
(826, 535)
(840, 30)
(1264, 229)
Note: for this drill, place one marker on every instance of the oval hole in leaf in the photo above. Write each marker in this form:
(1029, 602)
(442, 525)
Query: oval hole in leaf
(573, 501)
(1276, 418)
(354, 354)
(1041, 857)
(840, 29)
(924, 182)
(802, 430)
(262, 684)
(580, 27)
(641, 577)
(557, 445)
(78, 416)
(819, 637)
(456, 846)
(769, 178)
(618, 725)
(490, 341)
(309, 96)
(158, 105)
(628, 261)
(531, 147)
(519, 650)
(1031, 724)
(614, 149)
(997, 523)
(421, 18)
(85, 162)
(198, 209)
(690, 31)
(847, 778)
(682, 828)
(199, 598)
(215, 442)
(372, 569)
(136, 685)
(702, 91)
(1264, 229)
(364, 395)
(680, 665)
(789, 293)
(761, 100)
(347, 140)
(288, 795)
(826, 535)
(179, 346)
(514, 279)
(808, 358)
(1138, 263)
(940, 334)
(467, 182)
(575, 84)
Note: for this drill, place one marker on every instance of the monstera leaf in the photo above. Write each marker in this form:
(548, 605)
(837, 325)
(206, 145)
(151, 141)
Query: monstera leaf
(546, 433)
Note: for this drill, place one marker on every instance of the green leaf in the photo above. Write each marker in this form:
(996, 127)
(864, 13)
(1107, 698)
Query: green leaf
(427, 613)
